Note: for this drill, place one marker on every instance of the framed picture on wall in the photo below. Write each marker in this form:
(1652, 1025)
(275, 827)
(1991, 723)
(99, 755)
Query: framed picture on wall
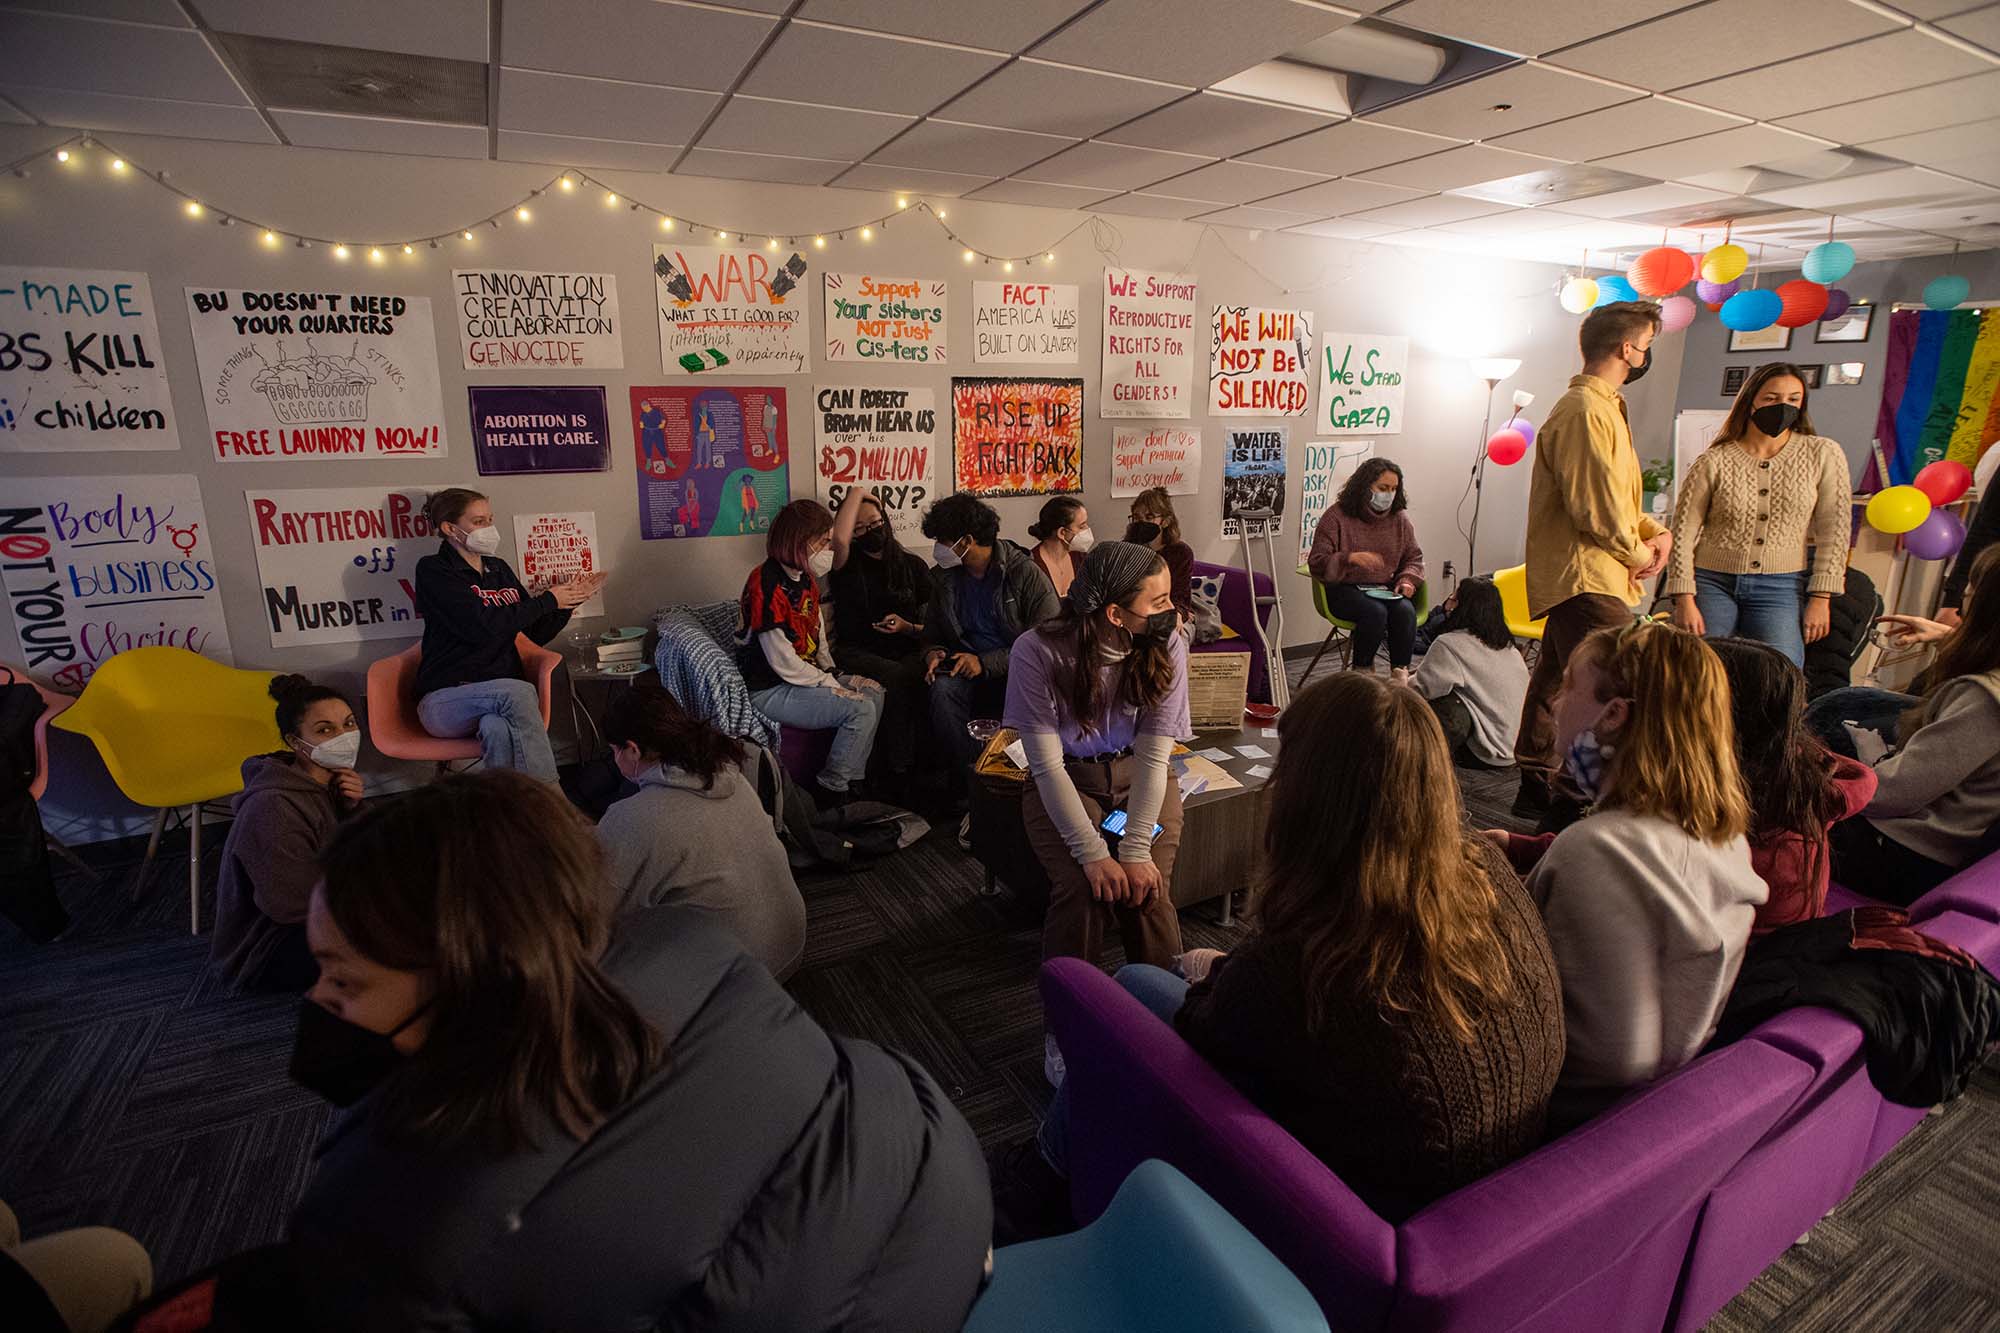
(1851, 327)
(1732, 380)
(1813, 375)
(1773, 339)
(1845, 372)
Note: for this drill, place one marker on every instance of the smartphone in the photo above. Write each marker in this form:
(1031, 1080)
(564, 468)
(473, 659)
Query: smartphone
(1114, 824)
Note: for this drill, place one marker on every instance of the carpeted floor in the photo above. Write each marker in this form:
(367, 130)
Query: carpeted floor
(135, 1092)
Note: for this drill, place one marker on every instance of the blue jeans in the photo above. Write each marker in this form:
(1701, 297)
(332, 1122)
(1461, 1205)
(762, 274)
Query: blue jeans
(817, 708)
(1156, 988)
(507, 715)
(1769, 608)
(1866, 707)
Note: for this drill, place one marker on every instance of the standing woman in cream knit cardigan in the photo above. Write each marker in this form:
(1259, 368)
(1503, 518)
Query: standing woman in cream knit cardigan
(1761, 501)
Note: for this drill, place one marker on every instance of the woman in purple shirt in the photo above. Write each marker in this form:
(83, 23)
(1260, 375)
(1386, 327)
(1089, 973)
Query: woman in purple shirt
(1099, 696)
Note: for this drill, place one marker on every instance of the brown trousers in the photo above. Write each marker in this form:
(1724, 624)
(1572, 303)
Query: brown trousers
(1569, 624)
(1074, 927)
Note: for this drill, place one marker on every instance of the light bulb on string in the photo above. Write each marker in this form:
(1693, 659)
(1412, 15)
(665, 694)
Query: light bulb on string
(118, 164)
(610, 199)
(771, 244)
(193, 209)
(62, 155)
(1007, 267)
(465, 235)
(1049, 258)
(901, 202)
(374, 254)
(968, 256)
(270, 238)
(567, 183)
(522, 214)
(340, 252)
(941, 215)
(666, 224)
(867, 233)
(409, 250)
(819, 242)
(722, 236)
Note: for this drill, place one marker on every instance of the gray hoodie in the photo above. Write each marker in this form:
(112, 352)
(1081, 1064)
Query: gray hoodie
(270, 863)
(713, 850)
(1939, 795)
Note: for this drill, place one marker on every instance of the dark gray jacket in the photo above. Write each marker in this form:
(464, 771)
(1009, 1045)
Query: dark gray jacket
(1027, 598)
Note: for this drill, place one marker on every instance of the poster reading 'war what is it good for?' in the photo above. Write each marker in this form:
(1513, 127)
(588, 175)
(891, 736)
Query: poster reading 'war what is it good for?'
(732, 310)
(80, 363)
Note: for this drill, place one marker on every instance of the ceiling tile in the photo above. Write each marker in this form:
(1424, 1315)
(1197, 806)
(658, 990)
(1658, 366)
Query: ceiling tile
(1253, 218)
(1188, 41)
(1890, 64)
(1472, 164)
(162, 12)
(1528, 222)
(1234, 182)
(1718, 38)
(1345, 229)
(647, 41)
(600, 108)
(1714, 152)
(1620, 129)
(1937, 148)
(761, 6)
(1039, 194)
(1951, 103)
(996, 27)
(1881, 189)
(1333, 198)
(885, 179)
(1218, 125)
(1430, 212)
(1056, 99)
(376, 134)
(1528, 29)
(1936, 9)
(764, 125)
(818, 64)
(121, 59)
(142, 115)
(1351, 146)
(564, 151)
(1983, 168)
(454, 29)
(758, 167)
(941, 145)
(1649, 199)
(1113, 166)
(1533, 94)
(1153, 206)
(13, 115)
(1981, 26)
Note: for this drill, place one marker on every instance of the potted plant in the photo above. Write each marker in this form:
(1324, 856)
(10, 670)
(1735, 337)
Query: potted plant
(1657, 477)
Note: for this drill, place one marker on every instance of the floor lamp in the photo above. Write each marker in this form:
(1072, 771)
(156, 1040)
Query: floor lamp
(1492, 369)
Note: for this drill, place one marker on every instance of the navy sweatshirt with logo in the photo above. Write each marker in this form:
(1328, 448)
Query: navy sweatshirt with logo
(471, 617)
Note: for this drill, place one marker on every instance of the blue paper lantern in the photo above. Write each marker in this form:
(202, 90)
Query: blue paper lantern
(1746, 312)
(1828, 263)
(1615, 287)
(1945, 293)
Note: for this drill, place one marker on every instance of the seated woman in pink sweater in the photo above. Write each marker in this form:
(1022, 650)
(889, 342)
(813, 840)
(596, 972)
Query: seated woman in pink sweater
(1365, 542)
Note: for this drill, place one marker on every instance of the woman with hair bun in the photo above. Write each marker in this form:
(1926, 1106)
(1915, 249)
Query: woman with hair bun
(291, 803)
(1062, 539)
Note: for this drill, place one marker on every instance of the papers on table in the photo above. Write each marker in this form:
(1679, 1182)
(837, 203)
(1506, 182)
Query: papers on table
(1253, 752)
(1198, 774)
(1260, 770)
(1214, 756)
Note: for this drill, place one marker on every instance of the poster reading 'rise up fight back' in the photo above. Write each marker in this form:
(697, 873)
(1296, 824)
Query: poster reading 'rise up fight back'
(80, 363)
(1017, 436)
(712, 461)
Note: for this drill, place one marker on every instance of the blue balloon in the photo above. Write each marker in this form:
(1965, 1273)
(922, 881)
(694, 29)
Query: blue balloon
(1614, 287)
(1746, 312)
(1828, 263)
(1947, 292)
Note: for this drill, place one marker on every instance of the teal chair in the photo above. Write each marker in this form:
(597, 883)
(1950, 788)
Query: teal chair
(1163, 1256)
(1341, 629)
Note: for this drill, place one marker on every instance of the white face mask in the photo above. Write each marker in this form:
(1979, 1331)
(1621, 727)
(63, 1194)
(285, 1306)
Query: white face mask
(482, 541)
(1083, 541)
(946, 557)
(820, 564)
(1380, 501)
(338, 753)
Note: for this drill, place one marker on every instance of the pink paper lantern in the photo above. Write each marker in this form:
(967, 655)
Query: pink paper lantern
(1676, 313)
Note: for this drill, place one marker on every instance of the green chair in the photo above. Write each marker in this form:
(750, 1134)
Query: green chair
(1342, 630)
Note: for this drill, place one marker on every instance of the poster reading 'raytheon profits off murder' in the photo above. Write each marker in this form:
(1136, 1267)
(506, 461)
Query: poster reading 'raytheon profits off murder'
(712, 461)
(317, 374)
(339, 566)
(95, 565)
(80, 363)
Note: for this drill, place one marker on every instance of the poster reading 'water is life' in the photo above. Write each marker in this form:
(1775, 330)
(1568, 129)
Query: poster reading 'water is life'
(712, 461)
(732, 310)
(1253, 475)
(80, 363)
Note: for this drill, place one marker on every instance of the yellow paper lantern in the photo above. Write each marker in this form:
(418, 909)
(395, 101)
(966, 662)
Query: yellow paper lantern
(1725, 263)
(1579, 295)
(1898, 509)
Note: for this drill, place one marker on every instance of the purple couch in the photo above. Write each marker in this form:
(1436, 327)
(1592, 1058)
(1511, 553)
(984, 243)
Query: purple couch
(1237, 612)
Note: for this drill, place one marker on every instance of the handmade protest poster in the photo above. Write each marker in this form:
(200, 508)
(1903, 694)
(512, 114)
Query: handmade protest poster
(870, 436)
(298, 373)
(874, 318)
(731, 310)
(555, 548)
(1143, 457)
(511, 319)
(1259, 362)
(80, 362)
(95, 565)
(1025, 323)
(339, 565)
(711, 461)
(1253, 475)
(1148, 344)
(540, 428)
(1361, 383)
(1327, 466)
(1017, 436)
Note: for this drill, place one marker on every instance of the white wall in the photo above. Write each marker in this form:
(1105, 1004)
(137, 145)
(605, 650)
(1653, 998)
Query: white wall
(1451, 306)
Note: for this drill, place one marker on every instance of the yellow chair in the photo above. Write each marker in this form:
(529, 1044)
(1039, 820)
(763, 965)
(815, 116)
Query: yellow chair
(1513, 586)
(174, 728)
(1342, 630)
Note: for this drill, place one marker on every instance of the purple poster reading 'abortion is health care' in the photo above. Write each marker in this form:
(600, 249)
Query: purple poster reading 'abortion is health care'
(540, 428)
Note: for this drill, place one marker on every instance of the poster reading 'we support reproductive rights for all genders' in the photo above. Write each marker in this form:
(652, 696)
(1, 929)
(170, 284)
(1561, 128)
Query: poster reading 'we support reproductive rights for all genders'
(712, 461)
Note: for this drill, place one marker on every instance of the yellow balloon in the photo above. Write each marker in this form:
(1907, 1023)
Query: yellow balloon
(1725, 263)
(1579, 295)
(1898, 510)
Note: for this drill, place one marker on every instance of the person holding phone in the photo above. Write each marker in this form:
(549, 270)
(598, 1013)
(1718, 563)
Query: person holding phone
(1099, 695)
(879, 591)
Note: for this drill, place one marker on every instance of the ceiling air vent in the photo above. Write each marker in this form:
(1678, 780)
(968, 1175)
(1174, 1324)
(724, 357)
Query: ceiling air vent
(1554, 185)
(346, 80)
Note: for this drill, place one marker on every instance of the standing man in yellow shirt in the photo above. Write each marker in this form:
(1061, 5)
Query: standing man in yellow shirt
(1589, 543)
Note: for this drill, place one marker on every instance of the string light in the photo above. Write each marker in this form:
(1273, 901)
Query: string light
(374, 254)
(1049, 258)
(941, 215)
(118, 164)
(270, 238)
(465, 235)
(967, 256)
(867, 233)
(666, 224)
(771, 244)
(62, 155)
(1007, 267)
(522, 213)
(610, 199)
(409, 250)
(567, 183)
(819, 242)
(340, 252)
(901, 202)
(194, 210)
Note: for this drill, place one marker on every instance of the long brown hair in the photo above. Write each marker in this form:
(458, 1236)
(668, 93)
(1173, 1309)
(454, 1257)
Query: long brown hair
(1369, 867)
(493, 884)
(1157, 506)
(654, 721)
(1675, 758)
(1737, 423)
(1079, 684)
(1787, 774)
(1970, 650)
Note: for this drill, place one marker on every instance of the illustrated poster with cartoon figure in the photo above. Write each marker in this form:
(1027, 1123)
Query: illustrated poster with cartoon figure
(712, 461)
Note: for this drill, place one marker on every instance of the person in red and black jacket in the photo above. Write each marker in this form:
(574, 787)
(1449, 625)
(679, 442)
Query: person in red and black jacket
(469, 680)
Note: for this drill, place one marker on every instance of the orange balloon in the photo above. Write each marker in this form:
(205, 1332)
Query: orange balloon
(1661, 271)
(1804, 302)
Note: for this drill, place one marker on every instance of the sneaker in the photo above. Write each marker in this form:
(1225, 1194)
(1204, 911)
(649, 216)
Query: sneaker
(1053, 1068)
(965, 833)
(828, 798)
(1030, 1198)
(1532, 802)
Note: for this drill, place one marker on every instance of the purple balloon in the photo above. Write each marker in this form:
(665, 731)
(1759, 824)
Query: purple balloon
(1715, 293)
(1937, 537)
(1524, 427)
(1837, 302)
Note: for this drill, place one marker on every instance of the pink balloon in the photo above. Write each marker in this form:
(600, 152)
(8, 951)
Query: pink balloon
(1837, 302)
(1944, 481)
(1506, 447)
(1937, 537)
(1676, 313)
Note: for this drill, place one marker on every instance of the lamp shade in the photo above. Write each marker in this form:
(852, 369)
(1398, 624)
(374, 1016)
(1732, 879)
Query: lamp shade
(1495, 368)
(1947, 292)
(1802, 302)
(1579, 295)
(1725, 263)
(1829, 262)
(1614, 287)
(1676, 313)
(1746, 312)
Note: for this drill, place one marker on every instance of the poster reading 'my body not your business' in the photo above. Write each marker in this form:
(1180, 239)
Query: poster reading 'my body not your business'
(339, 565)
(319, 374)
(95, 565)
(877, 438)
(1148, 345)
(711, 461)
(732, 310)
(509, 319)
(1017, 436)
(80, 363)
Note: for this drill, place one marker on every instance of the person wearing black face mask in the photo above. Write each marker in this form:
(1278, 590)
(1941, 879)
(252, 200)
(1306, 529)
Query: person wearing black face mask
(879, 591)
(1761, 522)
(1099, 696)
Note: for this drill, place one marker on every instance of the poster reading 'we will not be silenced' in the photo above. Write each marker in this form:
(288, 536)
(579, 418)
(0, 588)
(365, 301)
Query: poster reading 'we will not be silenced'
(80, 363)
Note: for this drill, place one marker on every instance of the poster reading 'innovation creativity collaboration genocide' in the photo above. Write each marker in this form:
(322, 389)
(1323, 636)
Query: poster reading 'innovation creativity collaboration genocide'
(712, 461)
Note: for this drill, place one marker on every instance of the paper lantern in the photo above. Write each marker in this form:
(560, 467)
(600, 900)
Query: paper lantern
(1725, 263)
(1613, 287)
(1898, 510)
(1937, 537)
(1944, 481)
(1506, 447)
(1713, 294)
(1803, 302)
(1676, 313)
(1837, 301)
(1947, 292)
(1746, 312)
(1661, 270)
(1523, 427)
(1828, 263)
(1579, 295)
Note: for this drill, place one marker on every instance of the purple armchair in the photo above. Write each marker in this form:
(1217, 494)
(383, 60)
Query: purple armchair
(1237, 613)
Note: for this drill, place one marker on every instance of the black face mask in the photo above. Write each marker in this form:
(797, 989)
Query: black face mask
(873, 542)
(1774, 419)
(1158, 626)
(1141, 533)
(340, 1061)
(1635, 373)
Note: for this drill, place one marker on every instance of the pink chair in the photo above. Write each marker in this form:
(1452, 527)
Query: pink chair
(392, 704)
